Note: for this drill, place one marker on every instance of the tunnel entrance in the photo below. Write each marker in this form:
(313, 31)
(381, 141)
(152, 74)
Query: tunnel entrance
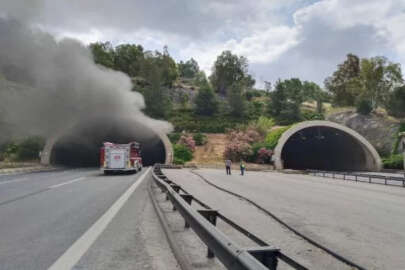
(324, 145)
(323, 148)
(80, 147)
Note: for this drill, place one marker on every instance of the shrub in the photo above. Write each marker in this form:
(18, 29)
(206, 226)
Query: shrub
(174, 137)
(187, 121)
(310, 115)
(26, 149)
(200, 138)
(264, 156)
(273, 137)
(394, 162)
(237, 150)
(29, 148)
(188, 141)
(178, 161)
(182, 154)
(364, 106)
(239, 144)
(263, 125)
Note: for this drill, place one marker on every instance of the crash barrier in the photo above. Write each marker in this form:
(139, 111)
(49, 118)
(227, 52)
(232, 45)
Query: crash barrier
(203, 223)
(361, 177)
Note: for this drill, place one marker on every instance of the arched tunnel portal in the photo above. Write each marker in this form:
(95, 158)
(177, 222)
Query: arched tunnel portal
(325, 145)
(79, 145)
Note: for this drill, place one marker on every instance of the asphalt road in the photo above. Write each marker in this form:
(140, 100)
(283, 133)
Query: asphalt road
(43, 214)
(361, 221)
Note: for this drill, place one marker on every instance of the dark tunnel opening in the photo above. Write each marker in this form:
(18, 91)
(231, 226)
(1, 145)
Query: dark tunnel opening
(81, 147)
(324, 148)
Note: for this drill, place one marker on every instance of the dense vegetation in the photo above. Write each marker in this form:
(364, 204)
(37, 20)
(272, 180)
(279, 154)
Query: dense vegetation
(228, 102)
(25, 149)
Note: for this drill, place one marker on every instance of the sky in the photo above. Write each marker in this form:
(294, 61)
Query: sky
(281, 38)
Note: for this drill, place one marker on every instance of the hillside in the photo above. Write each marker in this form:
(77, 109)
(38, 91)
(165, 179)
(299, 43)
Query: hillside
(380, 130)
(212, 151)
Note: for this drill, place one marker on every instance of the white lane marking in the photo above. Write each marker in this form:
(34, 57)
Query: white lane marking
(67, 183)
(15, 181)
(81, 245)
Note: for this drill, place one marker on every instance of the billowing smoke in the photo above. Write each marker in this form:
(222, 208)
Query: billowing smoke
(63, 87)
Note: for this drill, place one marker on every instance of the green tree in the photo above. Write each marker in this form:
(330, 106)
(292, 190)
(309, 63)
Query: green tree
(285, 101)
(168, 68)
(379, 77)
(200, 79)
(237, 100)
(103, 54)
(344, 83)
(230, 69)
(205, 101)
(156, 94)
(189, 69)
(396, 102)
(371, 79)
(312, 91)
(128, 58)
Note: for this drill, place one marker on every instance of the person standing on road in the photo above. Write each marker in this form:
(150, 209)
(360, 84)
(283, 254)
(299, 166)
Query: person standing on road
(242, 168)
(228, 164)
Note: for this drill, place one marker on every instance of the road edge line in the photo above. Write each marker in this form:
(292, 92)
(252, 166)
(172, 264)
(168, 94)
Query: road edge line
(182, 260)
(74, 253)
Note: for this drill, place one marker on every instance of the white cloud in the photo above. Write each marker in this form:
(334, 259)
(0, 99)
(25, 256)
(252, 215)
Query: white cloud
(281, 38)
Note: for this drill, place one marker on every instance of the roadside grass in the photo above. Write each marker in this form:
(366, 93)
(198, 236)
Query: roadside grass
(12, 164)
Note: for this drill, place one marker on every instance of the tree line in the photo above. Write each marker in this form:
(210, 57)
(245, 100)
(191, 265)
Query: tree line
(366, 84)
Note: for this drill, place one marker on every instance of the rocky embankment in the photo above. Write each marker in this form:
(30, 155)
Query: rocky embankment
(380, 130)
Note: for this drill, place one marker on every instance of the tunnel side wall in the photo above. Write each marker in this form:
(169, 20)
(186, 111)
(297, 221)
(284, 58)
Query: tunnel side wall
(373, 160)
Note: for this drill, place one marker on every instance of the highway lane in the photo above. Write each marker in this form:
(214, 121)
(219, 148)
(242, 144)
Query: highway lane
(361, 221)
(43, 214)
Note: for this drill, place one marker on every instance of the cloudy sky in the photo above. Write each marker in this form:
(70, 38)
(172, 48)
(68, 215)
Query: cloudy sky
(281, 38)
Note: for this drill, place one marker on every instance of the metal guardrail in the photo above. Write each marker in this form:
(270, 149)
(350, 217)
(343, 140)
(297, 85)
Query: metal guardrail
(219, 245)
(361, 177)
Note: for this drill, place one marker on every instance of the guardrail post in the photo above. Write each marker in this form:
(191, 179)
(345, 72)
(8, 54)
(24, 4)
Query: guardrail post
(188, 198)
(176, 188)
(344, 176)
(211, 216)
(266, 255)
(385, 180)
(369, 179)
(355, 177)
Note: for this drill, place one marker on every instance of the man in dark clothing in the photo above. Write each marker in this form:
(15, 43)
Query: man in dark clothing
(228, 164)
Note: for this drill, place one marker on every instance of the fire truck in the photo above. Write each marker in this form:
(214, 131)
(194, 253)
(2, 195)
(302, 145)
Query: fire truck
(120, 157)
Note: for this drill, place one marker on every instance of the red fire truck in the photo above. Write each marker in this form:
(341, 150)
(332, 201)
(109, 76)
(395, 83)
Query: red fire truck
(120, 157)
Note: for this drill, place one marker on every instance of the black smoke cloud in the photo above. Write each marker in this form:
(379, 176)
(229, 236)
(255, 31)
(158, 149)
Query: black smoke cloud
(59, 86)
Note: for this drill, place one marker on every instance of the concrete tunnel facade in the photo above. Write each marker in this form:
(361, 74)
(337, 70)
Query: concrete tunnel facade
(78, 145)
(325, 145)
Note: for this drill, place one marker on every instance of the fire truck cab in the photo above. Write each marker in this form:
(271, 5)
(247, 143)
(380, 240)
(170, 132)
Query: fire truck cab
(120, 157)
